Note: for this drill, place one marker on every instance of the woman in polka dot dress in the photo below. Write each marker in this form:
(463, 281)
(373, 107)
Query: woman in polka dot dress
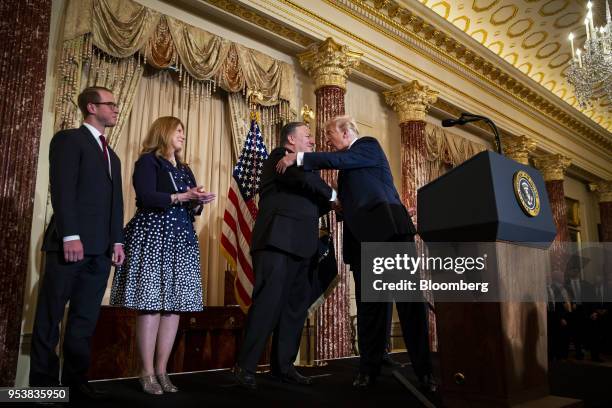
(161, 274)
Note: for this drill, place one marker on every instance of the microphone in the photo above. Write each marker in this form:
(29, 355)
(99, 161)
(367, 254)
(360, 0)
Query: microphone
(469, 117)
(453, 122)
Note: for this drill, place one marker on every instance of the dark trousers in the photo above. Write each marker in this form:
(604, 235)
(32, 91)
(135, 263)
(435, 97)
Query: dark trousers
(577, 321)
(280, 305)
(558, 336)
(388, 328)
(373, 325)
(372, 331)
(415, 329)
(83, 284)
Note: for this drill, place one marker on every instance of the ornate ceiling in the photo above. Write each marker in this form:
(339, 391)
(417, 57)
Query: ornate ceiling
(529, 34)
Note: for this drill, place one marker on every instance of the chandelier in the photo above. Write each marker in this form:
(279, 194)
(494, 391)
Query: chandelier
(590, 70)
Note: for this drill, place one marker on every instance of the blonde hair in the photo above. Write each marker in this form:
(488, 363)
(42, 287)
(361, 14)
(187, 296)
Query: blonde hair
(343, 123)
(159, 137)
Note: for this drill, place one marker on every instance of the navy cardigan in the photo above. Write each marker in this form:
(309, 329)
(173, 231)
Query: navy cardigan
(153, 183)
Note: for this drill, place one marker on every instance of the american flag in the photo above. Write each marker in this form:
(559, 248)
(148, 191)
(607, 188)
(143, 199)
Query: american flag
(241, 211)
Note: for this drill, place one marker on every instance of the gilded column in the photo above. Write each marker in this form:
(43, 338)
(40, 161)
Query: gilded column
(604, 193)
(553, 168)
(519, 148)
(411, 102)
(329, 64)
(25, 39)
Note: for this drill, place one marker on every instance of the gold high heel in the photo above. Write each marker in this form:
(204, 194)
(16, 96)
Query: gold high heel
(166, 384)
(150, 385)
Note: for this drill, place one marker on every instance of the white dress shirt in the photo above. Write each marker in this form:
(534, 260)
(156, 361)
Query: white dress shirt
(299, 161)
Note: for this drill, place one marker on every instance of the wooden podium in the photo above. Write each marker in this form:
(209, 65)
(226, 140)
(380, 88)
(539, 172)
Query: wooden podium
(494, 354)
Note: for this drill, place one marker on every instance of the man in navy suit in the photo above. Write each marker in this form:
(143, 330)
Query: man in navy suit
(372, 212)
(84, 236)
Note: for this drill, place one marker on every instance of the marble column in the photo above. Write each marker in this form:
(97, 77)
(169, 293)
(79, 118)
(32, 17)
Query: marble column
(519, 148)
(411, 102)
(553, 168)
(604, 194)
(329, 64)
(25, 32)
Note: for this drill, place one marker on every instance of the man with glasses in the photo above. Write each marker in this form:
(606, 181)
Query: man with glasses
(84, 237)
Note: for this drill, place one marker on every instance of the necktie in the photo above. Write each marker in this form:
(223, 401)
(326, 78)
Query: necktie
(577, 294)
(551, 299)
(104, 149)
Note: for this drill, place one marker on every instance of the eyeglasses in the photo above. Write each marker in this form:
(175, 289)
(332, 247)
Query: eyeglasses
(111, 105)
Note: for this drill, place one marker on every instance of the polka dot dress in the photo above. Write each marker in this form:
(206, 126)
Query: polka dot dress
(161, 271)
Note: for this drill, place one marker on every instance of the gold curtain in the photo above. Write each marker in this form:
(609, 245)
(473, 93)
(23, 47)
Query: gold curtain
(239, 113)
(204, 61)
(122, 76)
(446, 150)
(208, 151)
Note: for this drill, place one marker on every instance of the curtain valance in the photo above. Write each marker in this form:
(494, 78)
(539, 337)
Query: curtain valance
(122, 29)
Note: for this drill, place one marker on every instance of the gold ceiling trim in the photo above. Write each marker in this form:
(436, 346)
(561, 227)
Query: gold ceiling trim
(420, 31)
(376, 74)
(236, 9)
(455, 52)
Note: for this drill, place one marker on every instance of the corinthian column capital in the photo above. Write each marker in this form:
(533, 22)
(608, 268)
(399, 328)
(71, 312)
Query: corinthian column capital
(329, 63)
(411, 100)
(603, 190)
(519, 147)
(552, 166)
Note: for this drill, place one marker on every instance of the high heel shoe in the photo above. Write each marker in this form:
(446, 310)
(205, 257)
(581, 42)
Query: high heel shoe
(166, 384)
(150, 385)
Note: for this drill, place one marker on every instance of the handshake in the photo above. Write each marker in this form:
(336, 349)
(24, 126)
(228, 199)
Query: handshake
(197, 194)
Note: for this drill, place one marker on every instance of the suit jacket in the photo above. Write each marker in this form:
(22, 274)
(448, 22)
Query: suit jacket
(153, 184)
(372, 209)
(86, 200)
(584, 306)
(289, 208)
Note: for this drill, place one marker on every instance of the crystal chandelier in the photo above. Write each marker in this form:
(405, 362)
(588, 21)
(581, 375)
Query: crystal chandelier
(590, 70)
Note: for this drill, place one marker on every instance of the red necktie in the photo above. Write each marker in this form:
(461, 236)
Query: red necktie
(104, 148)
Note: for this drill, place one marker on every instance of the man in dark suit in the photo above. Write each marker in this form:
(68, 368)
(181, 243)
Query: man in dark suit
(372, 212)
(84, 237)
(585, 321)
(558, 312)
(284, 246)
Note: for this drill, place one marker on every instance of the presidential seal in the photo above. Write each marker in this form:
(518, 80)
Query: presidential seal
(526, 193)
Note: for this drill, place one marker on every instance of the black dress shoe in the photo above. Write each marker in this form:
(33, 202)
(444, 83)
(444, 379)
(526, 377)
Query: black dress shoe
(244, 378)
(388, 361)
(363, 380)
(87, 391)
(293, 377)
(428, 383)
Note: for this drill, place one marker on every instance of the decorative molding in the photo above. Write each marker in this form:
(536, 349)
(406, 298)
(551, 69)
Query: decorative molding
(260, 20)
(376, 75)
(519, 147)
(552, 166)
(307, 114)
(406, 27)
(411, 101)
(329, 63)
(603, 190)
